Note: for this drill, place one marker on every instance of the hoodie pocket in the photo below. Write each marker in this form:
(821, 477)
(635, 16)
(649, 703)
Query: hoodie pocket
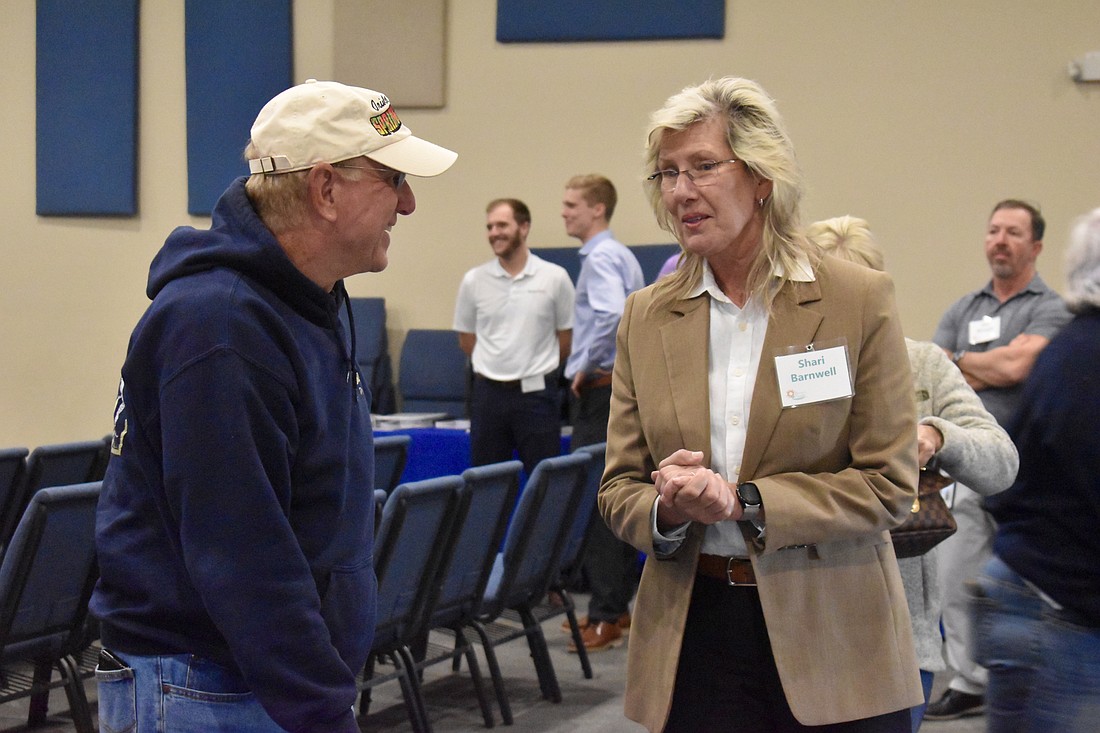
(349, 608)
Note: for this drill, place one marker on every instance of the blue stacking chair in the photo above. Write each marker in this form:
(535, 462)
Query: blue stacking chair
(379, 505)
(413, 542)
(651, 257)
(13, 467)
(434, 373)
(46, 579)
(391, 452)
(572, 556)
(62, 464)
(372, 351)
(486, 500)
(528, 564)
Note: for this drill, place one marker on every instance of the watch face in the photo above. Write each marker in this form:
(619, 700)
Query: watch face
(748, 494)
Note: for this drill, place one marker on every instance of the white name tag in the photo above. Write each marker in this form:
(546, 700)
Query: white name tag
(985, 329)
(533, 384)
(807, 377)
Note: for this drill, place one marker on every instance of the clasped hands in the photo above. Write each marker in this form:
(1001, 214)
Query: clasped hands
(688, 491)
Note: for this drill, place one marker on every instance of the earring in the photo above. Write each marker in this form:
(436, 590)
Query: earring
(760, 202)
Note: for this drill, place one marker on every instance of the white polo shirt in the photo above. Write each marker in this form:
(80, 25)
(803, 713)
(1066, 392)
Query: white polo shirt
(516, 320)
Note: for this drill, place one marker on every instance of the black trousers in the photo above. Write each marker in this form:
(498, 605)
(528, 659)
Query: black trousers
(610, 565)
(504, 419)
(727, 681)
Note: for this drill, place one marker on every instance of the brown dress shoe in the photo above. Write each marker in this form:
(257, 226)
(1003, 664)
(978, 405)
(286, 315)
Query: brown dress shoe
(600, 636)
(583, 623)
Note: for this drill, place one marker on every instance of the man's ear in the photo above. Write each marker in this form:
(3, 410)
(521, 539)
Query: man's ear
(321, 191)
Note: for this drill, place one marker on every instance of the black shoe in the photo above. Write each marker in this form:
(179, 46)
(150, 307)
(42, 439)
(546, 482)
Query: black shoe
(955, 704)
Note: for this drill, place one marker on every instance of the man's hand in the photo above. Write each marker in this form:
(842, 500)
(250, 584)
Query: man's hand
(690, 492)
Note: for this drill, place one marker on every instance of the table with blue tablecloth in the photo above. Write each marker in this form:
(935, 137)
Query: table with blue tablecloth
(439, 451)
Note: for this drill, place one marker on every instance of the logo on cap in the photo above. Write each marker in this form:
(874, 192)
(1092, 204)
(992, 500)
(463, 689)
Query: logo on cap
(386, 123)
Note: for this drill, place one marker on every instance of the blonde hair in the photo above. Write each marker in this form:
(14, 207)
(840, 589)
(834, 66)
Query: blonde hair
(758, 138)
(280, 198)
(596, 189)
(849, 238)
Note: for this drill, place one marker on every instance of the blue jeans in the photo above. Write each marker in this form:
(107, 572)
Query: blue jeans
(1043, 664)
(177, 694)
(917, 713)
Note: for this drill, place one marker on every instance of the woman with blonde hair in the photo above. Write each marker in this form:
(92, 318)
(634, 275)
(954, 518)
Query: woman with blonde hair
(760, 447)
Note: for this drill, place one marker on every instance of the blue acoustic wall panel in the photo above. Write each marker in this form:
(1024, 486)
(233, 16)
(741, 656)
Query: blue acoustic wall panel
(239, 55)
(609, 20)
(86, 107)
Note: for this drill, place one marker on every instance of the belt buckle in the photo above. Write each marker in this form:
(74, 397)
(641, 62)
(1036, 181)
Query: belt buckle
(729, 572)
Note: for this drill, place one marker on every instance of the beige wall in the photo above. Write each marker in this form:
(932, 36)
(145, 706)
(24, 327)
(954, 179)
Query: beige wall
(916, 116)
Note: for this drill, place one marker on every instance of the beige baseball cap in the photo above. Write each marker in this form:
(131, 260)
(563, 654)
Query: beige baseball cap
(327, 122)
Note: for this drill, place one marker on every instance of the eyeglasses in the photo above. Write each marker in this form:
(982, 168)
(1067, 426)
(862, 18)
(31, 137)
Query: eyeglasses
(398, 179)
(703, 173)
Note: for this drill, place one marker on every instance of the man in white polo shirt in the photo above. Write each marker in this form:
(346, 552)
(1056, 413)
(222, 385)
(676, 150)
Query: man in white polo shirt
(514, 318)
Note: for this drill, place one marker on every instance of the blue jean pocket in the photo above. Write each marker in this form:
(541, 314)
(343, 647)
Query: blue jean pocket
(117, 700)
(211, 698)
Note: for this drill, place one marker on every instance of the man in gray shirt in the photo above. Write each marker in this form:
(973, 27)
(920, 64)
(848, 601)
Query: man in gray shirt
(994, 336)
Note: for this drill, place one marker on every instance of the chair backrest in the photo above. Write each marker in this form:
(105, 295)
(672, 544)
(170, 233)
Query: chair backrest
(372, 351)
(390, 455)
(63, 464)
(433, 374)
(650, 257)
(13, 467)
(530, 560)
(379, 505)
(414, 539)
(487, 499)
(586, 509)
(47, 573)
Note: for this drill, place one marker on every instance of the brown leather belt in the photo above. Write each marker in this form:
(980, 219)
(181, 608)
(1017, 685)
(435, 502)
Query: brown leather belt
(733, 570)
(603, 380)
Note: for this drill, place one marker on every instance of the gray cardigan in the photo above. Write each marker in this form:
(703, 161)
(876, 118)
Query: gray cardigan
(976, 452)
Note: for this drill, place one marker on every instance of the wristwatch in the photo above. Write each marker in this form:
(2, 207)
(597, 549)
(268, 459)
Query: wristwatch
(749, 496)
(958, 355)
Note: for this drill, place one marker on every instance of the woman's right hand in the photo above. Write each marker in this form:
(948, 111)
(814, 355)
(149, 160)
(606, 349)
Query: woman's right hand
(690, 492)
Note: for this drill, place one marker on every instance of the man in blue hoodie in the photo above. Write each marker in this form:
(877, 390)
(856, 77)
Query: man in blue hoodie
(235, 526)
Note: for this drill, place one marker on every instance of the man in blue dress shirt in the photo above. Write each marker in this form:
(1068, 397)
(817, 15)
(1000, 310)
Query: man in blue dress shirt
(609, 273)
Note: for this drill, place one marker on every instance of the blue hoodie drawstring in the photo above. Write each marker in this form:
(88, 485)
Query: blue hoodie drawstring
(353, 368)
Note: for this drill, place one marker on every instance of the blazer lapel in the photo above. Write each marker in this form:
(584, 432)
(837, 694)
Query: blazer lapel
(687, 372)
(790, 324)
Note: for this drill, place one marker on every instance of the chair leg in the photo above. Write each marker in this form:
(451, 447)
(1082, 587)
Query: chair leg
(456, 660)
(540, 654)
(74, 691)
(364, 696)
(494, 672)
(463, 644)
(40, 700)
(410, 689)
(575, 630)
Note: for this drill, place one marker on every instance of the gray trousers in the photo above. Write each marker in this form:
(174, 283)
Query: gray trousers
(961, 557)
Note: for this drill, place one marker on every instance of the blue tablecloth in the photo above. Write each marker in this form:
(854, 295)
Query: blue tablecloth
(439, 452)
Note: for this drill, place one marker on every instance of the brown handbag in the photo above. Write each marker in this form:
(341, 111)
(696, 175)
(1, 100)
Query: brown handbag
(929, 522)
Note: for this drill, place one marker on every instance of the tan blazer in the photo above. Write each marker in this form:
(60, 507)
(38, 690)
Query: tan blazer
(834, 478)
